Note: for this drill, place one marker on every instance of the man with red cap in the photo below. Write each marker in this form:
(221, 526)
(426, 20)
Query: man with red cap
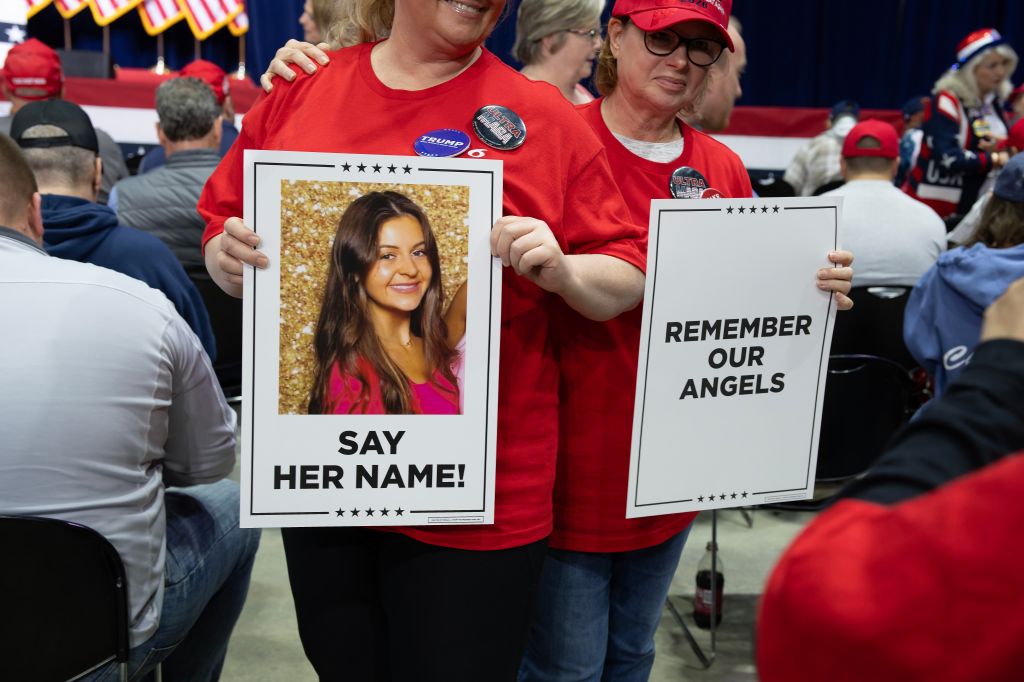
(218, 81)
(32, 73)
(896, 238)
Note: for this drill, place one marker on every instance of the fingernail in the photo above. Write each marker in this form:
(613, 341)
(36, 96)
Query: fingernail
(323, 60)
(262, 262)
(310, 68)
(254, 241)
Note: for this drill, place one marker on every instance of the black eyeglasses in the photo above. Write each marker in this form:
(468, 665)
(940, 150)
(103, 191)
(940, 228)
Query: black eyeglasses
(590, 34)
(701, 52)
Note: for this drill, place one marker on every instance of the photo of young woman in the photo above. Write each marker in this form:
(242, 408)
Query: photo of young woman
(381, 343)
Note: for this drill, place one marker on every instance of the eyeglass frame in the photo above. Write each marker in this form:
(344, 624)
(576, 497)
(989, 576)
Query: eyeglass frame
(589, 33)
(685, 42)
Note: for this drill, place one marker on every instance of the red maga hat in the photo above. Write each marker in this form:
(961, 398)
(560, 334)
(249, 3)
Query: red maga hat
(655, 15)
(209, 73)
(33, 72)
(889, 142)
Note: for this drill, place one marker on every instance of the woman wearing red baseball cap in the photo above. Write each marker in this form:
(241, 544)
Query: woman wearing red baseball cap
(606, 577)
(446, 603)
(963, 125)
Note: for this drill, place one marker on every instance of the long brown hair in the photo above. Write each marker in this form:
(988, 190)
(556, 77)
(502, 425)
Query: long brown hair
(1001, 225)
(344, 332)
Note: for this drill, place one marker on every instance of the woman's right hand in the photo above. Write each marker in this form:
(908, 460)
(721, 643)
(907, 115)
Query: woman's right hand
(306, 55)
(228, 252)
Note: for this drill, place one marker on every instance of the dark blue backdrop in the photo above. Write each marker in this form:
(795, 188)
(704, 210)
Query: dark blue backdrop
(801, 53)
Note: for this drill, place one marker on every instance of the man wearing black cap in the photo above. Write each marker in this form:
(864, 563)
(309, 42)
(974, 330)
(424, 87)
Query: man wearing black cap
(60, 145)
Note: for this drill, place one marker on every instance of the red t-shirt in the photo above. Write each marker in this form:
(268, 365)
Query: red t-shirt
(598, 362)
(927, 589)
(559, 175)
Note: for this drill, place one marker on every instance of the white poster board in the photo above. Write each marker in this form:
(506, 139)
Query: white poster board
(363, 467)
(733, 353)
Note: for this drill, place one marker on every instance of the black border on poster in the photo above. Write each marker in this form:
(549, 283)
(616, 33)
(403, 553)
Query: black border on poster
(490, 317)
(821, 359)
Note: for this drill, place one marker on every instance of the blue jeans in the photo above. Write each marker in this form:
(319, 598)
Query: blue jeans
(596, 614)
(206, 578)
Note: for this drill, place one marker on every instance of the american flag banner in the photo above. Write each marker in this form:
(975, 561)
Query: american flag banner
(105, 12)
(13, 19)
(239, 26)
(206, 17)
(69, 8)
(159, 15)
(35, 5)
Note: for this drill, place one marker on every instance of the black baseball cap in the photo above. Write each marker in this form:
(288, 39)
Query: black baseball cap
(60, 113)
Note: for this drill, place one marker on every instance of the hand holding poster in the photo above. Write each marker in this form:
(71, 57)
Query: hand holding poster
(734, 354)
(370, 391)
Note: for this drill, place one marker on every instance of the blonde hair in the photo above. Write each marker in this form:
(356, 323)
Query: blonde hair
(961, 81)
(359, 21)
(538, 19)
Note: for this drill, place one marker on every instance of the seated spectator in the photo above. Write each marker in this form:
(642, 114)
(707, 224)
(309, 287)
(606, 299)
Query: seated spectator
(714, 112)
(895, 237)
(163, 201)
(33, 73)
(220, 84)
(60, 146)
(1013, 144)
(916, 573)
(107, 398)
(817, 163)
(557, 42)
(910, 141)
(944, 314)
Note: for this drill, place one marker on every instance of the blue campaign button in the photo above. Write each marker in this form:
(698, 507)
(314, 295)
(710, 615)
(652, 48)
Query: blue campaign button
(443, 142)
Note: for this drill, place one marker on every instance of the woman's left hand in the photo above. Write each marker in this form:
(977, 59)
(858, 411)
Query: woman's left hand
(838, 280)
(528, 246)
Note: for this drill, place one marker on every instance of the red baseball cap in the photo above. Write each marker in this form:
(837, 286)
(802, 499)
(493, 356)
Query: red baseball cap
(209, 73)
(655, 15)
(889, 142)
(33, 71)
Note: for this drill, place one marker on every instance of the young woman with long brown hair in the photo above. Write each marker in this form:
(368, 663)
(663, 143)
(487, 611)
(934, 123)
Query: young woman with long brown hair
(380, 341)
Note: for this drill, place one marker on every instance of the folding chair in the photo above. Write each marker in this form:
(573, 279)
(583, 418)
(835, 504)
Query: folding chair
(63, 601)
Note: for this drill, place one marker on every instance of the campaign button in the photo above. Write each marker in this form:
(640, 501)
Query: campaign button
(711, 193)
(443, 142)
(499, 127)
(686, 183)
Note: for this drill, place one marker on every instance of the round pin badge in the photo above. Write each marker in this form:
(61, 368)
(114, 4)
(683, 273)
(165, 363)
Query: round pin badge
(499, 127)
(711, 193)
(981, 128)
(686, 183)
(443, 142)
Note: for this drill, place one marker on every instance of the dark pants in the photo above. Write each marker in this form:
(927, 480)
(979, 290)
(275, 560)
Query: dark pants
(380, 607)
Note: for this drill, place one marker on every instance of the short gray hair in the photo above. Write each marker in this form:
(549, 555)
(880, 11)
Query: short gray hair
(70, 166)
(538, 19)
(187, 109)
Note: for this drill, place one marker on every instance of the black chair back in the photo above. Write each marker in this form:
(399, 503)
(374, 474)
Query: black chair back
(875, 325)
(867, 400)
(226, 319)
(63, 600)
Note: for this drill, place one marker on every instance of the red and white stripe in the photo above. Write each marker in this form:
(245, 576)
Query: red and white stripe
(106, 11)
(239, 26)
(69, 8)
(208, 16)
(35, 5)
(159, 15)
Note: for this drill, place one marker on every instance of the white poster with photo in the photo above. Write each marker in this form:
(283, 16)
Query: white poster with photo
(734, 353)
(370, 368)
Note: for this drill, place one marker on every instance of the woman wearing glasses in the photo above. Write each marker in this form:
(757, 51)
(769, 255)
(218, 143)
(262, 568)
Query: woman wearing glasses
(605, 577)
(557, 41)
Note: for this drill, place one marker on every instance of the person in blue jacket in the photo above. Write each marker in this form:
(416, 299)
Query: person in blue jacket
(943, 318)
(60, 145)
